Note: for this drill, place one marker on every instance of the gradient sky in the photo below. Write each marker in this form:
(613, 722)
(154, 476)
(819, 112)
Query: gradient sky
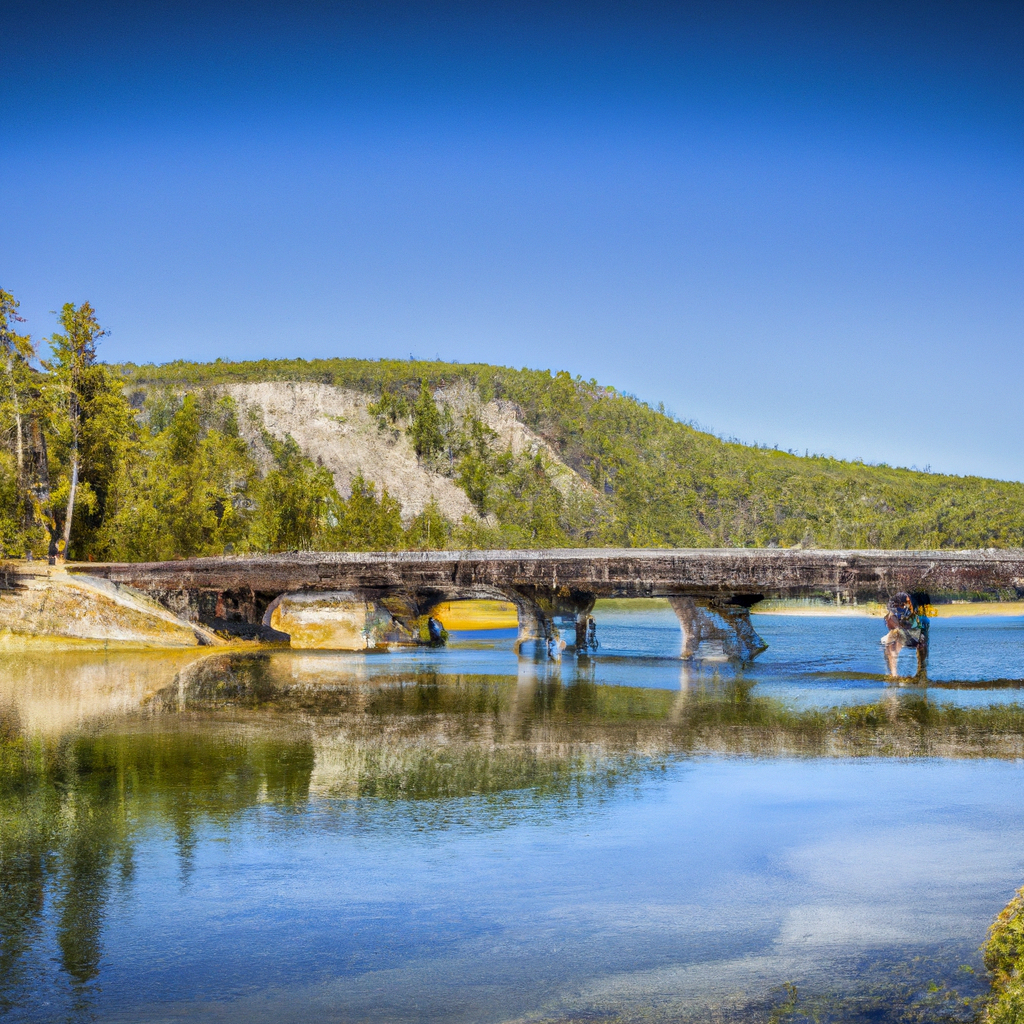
(797, 224)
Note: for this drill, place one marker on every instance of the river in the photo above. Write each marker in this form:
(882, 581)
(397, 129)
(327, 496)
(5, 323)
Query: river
(459, 834)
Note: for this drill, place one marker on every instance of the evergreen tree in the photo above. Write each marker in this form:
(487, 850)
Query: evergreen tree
(16, 351)
(426, 425)
(369, 523)
(184, 491)
(478, 467)
(429, 531)
(89, 427)
(297, 505)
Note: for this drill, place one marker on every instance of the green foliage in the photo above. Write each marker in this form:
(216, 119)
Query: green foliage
(527, 504)
(658, 482)
(369, 522)
(425, 431)
(430, 530)
(389, 409)
(479, 466)
(179, 478)
(11, 532)
(1004, 959)
(183, 491)
(88, 426)
(297, 505)
(194, 488)
(20, 528)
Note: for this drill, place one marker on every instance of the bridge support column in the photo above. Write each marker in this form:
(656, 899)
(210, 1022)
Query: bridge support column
(537, 611)
(535, 622)
(583, 610)
(727, 622)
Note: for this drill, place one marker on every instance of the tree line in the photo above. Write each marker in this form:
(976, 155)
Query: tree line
(151, 462)
(651, 480)
(86, 474)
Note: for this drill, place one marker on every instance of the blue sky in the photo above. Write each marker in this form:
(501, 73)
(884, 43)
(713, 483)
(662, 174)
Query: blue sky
(797, 224)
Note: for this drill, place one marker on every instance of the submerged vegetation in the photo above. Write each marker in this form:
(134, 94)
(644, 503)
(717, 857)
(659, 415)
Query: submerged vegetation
(146, 462)
(1004, 959)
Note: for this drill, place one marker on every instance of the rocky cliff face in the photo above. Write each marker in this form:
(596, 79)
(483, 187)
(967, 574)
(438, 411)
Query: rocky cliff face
(512, 434)
(334, 427)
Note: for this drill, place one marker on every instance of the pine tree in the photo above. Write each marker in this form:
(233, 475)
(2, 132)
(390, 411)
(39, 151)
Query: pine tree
(88, 426)
(426, 425)
(16, 351)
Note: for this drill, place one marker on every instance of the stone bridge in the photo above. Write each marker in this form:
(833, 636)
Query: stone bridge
(711, 590)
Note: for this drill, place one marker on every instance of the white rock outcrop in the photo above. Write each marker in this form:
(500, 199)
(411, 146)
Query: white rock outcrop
(334, 427)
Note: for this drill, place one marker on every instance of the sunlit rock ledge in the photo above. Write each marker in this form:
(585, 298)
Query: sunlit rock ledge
(336, 621)
(46, 606)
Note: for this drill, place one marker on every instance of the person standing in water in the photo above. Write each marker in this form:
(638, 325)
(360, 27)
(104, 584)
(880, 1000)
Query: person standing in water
(908, 627)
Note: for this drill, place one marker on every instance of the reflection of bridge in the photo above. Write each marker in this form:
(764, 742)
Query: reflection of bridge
(711, 590)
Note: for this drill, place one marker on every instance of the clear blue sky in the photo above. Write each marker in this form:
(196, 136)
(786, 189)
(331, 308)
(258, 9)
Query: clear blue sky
(797, 224)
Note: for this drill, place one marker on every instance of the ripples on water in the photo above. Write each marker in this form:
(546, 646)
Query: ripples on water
(463, 835)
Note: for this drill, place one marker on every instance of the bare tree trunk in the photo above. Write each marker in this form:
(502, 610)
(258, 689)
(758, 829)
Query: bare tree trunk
(17, 423)
(19, 437)
(39, 484)
(40, 462)
(71, 503)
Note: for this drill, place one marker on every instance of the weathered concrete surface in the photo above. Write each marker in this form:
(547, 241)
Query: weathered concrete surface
(718, 623)
(599, 572)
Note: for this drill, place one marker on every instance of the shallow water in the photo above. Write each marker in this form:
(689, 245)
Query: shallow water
(462, 835)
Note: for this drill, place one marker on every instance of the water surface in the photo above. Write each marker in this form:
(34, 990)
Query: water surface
(461, 835)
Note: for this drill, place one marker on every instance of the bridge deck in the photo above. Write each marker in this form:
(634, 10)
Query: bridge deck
(603, 572)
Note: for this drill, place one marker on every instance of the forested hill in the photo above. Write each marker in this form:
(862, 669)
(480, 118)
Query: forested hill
(156, 462)
(653, 481)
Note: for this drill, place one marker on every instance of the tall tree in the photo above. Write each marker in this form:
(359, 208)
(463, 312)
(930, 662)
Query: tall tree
(20, 430)
(297, 505)
(182, 491)
(15, 352)
(90, 423)
(426, 425)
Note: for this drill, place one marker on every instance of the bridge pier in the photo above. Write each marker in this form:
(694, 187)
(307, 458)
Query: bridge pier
(536, 622)
(537, 613)
(584, 606)
(726, 621)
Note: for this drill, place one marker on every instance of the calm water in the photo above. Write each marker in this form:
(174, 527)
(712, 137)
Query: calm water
(463, 835)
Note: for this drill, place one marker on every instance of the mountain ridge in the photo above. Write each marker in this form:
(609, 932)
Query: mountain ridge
(639, 477)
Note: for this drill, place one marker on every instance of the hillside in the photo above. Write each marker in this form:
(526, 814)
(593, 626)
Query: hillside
(155, 462)
(524, 457)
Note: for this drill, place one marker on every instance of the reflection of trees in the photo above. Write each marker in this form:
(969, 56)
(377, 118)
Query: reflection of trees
(71, 812)
(235, 731)
(427, 735)
(551, 715)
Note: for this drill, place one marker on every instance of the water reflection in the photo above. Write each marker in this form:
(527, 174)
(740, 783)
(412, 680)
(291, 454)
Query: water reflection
(357, 777)
(555, 708)
(54, 692)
